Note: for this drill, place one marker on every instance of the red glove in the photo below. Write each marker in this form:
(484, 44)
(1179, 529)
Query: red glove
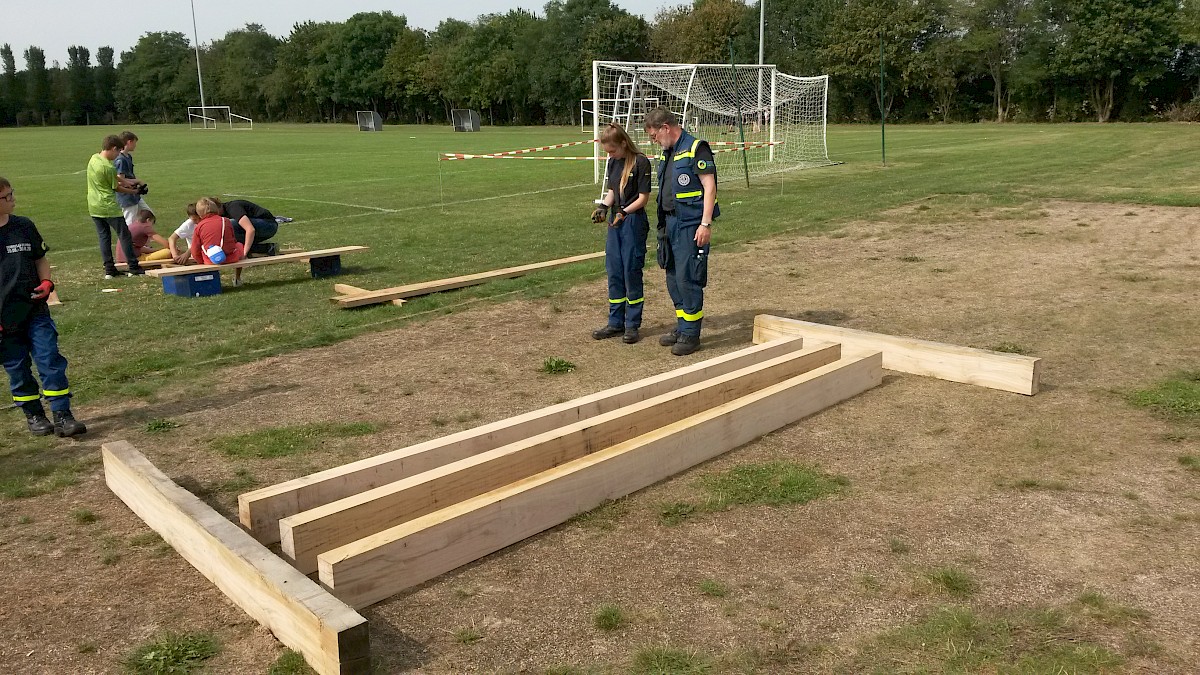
(43, 290)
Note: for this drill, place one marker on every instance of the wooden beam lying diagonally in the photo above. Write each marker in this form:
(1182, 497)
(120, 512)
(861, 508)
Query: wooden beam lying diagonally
(309, 533)
(332, 637)
(376, 567)
(995, 370)
(427, 287)
(261, 510)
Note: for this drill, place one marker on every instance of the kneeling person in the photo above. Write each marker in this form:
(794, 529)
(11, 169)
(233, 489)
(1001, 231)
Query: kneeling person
(253, 225)
(142, 230)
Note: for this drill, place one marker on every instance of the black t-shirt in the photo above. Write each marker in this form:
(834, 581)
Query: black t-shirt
(21, 245)
(704, 162)
(237, 208)
(637, 183)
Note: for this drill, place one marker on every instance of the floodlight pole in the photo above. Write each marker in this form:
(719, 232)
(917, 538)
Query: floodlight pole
(762, 21)
(199, 76)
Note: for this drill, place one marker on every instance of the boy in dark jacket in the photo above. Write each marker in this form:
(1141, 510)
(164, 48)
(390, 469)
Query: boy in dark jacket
(27, 333)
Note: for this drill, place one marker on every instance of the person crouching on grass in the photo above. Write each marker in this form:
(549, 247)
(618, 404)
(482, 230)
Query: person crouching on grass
(213, 242)
(143, 232)
(625, 246)
(27, 333)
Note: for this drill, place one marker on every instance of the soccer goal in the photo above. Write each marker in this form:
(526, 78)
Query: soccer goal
(369, 120)
(217, 117)
(464, 120)
(782, 117)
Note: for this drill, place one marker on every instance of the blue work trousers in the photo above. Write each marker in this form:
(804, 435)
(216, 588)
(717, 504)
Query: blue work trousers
(624, 258)
(35, 341)
(687, 274)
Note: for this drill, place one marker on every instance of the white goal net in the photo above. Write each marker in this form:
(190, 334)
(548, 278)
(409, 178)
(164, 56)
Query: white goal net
(777, 120)
(369, 120)
(217, 117)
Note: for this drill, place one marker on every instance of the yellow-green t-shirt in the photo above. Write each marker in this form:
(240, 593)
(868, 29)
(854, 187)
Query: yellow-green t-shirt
(102, 188)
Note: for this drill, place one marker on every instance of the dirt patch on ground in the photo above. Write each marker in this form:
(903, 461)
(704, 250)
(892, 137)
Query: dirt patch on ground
(1038, 500)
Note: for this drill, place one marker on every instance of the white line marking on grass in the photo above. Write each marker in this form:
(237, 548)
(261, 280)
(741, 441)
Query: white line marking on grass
(313, 201)
(377, 209)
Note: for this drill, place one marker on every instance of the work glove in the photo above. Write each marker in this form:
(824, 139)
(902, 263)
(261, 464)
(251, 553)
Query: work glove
(600, 214)
(43, 290)
(143, 189)
(616, 221)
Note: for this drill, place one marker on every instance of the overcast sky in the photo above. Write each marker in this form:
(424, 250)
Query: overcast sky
(54, 25)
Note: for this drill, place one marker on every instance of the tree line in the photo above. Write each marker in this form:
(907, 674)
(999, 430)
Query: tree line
(942, 60)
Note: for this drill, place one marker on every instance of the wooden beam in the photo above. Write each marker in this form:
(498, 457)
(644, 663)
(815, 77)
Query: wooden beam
(377, 567)
(427, 287)
(347, 289)
(261, 510)
(332, 637)
(995, 370)
(315, 531)
(254, 262)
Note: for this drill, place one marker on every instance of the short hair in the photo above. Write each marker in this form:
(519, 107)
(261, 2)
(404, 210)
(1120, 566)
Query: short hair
(4, 183)
(660, 116)
(144, 215)
(127, 136)
(191, 210)
(111, 142)
(206, 206)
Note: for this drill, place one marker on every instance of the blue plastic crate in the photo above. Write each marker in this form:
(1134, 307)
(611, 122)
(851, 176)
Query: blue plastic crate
(193, 285)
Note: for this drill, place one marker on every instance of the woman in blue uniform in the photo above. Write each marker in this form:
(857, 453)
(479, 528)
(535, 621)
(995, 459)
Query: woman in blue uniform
(623, 207)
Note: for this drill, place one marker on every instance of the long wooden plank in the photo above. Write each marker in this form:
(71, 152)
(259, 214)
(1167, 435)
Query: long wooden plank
(254, 262)
(332, 637)
(995, 370)
(261, 510)
(309, 533)
(376, 567)
(427, 287)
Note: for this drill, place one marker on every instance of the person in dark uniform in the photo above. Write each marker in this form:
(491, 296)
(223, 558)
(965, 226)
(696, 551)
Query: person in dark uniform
(625, 247)
(687, 206)
(27, 333)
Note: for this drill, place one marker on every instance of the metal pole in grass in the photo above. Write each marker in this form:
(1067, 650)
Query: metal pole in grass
(882, 109)
(738, 101)
(199, 77)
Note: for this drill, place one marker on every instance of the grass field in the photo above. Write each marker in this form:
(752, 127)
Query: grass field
(425, 219)
(955, 529)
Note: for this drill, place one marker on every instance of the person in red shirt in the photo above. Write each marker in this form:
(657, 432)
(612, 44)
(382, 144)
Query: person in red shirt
(213, 230)
(143, 232)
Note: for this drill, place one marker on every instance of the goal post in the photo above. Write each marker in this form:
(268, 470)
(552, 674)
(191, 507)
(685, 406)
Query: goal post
(369, 120)
(217, 117)
(783, 116)
(464, 120)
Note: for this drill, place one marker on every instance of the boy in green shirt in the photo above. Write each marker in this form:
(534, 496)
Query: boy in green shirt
(102, 188)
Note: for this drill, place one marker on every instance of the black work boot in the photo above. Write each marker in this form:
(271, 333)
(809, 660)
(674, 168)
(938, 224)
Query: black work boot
(631, 336)
(607, 332)
(686, 344)
(669, 339)
(66, 425)
(35, 417)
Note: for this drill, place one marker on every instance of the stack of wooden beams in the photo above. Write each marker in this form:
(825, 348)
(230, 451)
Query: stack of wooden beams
(375, 527)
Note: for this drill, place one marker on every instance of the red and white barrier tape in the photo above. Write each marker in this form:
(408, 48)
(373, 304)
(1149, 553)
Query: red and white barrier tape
(496, 155)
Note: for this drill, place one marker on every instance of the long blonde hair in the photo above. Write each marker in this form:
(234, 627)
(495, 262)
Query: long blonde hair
(613, 134)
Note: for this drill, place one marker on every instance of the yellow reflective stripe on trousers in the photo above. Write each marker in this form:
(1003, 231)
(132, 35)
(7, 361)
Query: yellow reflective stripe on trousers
(617, 301)
(684, 195)
(689, 317)
(638, 301)
(24, 399)
(62, 392)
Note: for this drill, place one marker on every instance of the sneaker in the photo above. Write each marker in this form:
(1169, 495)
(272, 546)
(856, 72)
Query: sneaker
(669, 339)
(237, 282)
(36, 419)
(687, 344)
(607, 332)
(631, 336)
(282, 219)
(66, 425)
(136, 273)
(109, 276)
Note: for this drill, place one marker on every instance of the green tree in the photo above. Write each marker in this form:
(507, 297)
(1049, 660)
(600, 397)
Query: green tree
(700, 33)
(996, 33)
(796, 33)
(156, 80)
(37, 85)
(402, 75)
(1114, 43)
(81, 90)
(11, 93)
(241, 63)
(105, 79)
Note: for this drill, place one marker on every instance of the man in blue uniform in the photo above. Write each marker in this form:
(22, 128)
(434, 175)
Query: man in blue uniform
(687, 205)
(27, 333)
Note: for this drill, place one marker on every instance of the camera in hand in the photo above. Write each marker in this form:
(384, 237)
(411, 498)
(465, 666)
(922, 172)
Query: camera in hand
(143, 189)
